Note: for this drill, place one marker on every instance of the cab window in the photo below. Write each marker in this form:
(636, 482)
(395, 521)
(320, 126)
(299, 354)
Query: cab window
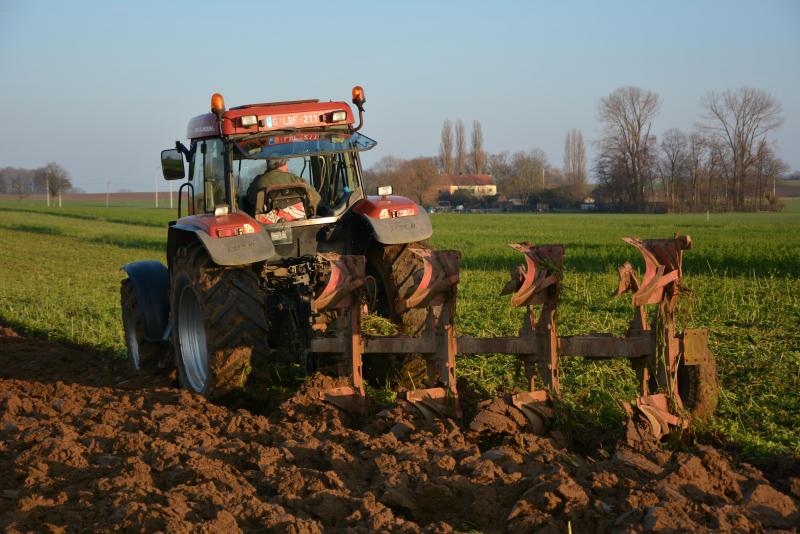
(208, 174)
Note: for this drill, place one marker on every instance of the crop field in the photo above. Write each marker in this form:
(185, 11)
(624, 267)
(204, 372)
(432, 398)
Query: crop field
(61, 270)
(84, 438)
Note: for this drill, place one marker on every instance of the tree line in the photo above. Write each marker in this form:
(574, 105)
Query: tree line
(453, 155)
(51, 180)
(727, 162)
(523, 175)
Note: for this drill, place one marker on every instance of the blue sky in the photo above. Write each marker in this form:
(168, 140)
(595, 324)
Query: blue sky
(102, 87)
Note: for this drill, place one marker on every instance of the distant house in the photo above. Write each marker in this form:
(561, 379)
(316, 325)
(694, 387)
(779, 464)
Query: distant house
(481, 185)
(588, 204)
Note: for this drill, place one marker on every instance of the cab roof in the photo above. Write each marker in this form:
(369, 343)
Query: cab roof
(297, 114)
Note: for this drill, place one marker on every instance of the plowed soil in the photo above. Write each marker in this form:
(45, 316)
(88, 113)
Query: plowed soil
(88, 445)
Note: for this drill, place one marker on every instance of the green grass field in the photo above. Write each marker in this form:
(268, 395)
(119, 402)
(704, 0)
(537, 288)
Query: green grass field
(60, 273)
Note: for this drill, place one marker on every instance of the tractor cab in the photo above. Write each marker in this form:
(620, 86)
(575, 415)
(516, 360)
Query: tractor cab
(274, 182)
(283, 162)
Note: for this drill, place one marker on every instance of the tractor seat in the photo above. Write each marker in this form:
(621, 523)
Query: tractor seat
(282, 203)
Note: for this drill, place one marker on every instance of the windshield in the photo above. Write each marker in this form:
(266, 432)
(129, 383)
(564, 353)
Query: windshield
(317, 169)
(302, 144)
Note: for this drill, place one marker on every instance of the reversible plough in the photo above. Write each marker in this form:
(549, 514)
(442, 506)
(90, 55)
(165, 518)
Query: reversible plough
(657, 351)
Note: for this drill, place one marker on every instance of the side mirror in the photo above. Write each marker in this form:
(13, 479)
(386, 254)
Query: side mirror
(172, 164)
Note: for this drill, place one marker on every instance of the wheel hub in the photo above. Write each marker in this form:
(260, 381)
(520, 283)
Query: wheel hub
(192, 339)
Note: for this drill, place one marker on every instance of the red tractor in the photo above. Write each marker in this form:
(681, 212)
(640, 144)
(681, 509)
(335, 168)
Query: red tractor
(271, 188)
(281, 250)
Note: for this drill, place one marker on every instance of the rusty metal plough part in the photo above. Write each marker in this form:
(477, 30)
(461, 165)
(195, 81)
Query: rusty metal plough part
(654, 349)
(437, 288)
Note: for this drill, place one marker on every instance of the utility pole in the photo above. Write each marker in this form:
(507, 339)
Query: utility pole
(542, 176)
(59, 197)
(108, 186)
(170, 194)
(156, 191)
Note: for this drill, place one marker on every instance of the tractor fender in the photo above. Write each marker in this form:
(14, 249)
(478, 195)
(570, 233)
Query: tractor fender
(150, 281)
(241, 249)
(394, 220)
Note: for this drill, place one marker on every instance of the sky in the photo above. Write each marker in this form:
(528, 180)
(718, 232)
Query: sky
(102, 87)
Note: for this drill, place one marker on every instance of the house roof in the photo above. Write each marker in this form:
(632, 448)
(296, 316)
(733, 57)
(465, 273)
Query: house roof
(467, 179)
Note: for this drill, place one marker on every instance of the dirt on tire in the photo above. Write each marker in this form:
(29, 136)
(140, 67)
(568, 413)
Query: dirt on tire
(232, 307)
(88, 445)
(395, 266)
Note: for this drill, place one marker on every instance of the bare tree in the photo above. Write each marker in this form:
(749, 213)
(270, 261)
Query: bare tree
(673, 166)
(21, 185)
(698, 166)
(478, 155)
(419, 176)
(383, 172)
(461, 149)
(766, 171)
(522, 174)
(56, 181)
(741, 120)
(575, 163)
(498, 165)
(413, 178)
(446, 148)
(627, 115)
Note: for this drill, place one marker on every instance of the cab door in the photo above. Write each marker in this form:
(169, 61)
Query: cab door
(207, 173)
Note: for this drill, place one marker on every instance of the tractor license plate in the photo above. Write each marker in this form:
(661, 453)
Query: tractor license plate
(281, 237)
(407, 212)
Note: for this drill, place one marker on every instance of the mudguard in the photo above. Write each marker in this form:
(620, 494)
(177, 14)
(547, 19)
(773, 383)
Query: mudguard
(151, 285)
(250, 246)
(239, 250)
(394, 219)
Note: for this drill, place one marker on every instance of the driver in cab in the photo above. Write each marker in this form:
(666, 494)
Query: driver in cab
(278, 173)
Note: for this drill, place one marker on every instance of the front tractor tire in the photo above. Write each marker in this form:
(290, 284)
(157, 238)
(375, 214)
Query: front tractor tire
(219, 323)
(141, 353)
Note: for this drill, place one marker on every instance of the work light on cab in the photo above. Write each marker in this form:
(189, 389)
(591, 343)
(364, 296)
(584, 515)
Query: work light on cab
(249, 120)
(217, 104)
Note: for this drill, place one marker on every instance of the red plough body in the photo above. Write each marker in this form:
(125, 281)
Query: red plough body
(655, 348)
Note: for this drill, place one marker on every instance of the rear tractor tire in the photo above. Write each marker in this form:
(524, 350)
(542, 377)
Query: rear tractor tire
(393, 270)
(219, 323)
(141, 353)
